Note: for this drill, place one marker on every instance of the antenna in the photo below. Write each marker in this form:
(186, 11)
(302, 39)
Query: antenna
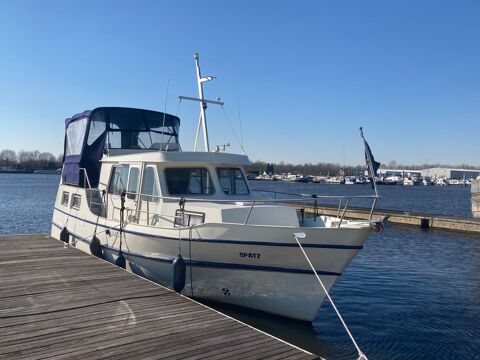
(202, 121)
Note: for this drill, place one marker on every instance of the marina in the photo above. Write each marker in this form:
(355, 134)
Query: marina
(315, 196)
(56, 301)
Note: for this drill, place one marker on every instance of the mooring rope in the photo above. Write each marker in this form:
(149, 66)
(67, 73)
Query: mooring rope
(361, 355)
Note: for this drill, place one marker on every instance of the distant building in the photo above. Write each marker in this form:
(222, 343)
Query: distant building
(446, 173)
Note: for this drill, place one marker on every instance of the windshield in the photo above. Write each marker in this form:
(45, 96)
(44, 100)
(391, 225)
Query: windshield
(136, 129)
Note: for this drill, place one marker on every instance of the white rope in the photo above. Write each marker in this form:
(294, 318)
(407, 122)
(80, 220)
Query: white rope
(361, 355)
(178, 106)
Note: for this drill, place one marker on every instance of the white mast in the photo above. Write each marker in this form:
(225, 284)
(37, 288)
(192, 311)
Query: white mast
(203, 106)
(202, 121)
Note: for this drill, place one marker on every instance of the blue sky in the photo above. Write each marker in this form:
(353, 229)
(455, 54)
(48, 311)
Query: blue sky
(306, 74)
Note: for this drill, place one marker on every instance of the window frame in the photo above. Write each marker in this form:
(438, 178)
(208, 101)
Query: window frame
(133, 196)
(66, 195)
(232, 180)
(111, 177)
(72, 202)
(156, 181)
(212, 187)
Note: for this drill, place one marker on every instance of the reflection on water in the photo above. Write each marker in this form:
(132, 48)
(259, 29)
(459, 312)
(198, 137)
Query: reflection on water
(409, 294)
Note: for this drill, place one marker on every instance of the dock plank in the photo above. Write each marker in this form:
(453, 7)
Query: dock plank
(58, 302)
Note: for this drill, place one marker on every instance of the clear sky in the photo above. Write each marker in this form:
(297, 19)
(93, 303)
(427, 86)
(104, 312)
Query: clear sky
(306, 74)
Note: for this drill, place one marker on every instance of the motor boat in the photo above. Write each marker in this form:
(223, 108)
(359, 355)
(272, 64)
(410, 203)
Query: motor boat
(441, 182)
(411, 181)
(350, 180)
(426, 181)
(189, 220)
(393, 180)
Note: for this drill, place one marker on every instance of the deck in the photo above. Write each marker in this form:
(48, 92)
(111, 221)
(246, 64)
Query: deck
(59, 302)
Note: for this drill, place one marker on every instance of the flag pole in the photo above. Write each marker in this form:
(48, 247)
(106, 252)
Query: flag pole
(372, 172)
(369, 162)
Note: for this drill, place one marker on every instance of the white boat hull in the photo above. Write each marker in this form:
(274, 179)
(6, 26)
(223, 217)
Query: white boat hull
(260, 268)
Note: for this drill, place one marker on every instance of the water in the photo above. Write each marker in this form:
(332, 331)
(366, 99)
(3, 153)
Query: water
(409, 294)
(26, 202)
(441, 200)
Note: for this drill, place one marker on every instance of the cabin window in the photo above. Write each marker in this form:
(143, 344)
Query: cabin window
(232, 181)
(118, 180)
(189, 181)
(149, 185)
(133, 183)
(65, 197)
(97, 127)
(75, 135)
(76, 200)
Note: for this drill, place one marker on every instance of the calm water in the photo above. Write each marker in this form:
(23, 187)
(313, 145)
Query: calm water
(409, 294)
(443, 200)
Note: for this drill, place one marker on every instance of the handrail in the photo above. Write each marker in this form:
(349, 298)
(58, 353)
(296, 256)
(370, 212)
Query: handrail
(315, 196)
(252, 202)
(237, 200)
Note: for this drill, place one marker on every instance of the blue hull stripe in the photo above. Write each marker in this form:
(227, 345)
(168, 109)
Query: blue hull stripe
(219, 241)
(209, 264)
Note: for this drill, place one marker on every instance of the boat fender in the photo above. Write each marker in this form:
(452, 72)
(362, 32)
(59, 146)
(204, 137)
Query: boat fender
(179, 273)
(65, 235)
(120, 261)
(96, 247)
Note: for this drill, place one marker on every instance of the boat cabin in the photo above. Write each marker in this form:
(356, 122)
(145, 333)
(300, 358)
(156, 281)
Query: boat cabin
(94, 133)
(134, 152)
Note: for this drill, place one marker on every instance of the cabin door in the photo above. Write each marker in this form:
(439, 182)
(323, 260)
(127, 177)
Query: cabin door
(149, 197)
(131, 197)
(124, 178)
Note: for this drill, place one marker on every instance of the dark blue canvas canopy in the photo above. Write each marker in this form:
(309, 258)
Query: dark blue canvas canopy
(89, 134)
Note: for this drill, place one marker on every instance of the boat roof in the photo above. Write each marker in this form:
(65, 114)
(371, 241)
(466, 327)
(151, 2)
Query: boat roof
(180, 157)
(87, 113)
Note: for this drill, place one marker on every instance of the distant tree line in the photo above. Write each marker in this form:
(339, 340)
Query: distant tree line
(29, 160)
(332, 169)
(395, 165)
(325, 169)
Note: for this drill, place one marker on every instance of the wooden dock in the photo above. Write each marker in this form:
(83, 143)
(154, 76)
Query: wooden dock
(423, 220)
(60, 302)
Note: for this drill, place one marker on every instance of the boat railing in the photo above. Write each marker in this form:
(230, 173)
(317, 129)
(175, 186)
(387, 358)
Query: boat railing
(306, 200)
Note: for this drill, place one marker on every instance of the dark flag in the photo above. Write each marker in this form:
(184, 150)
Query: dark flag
(372, 165)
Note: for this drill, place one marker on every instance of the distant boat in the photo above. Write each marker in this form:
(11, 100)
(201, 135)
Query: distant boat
(350, 180)
(426, 181)
(360, 180)
(393, 180)
(441, 182)
(411, 182)
(454, 182)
